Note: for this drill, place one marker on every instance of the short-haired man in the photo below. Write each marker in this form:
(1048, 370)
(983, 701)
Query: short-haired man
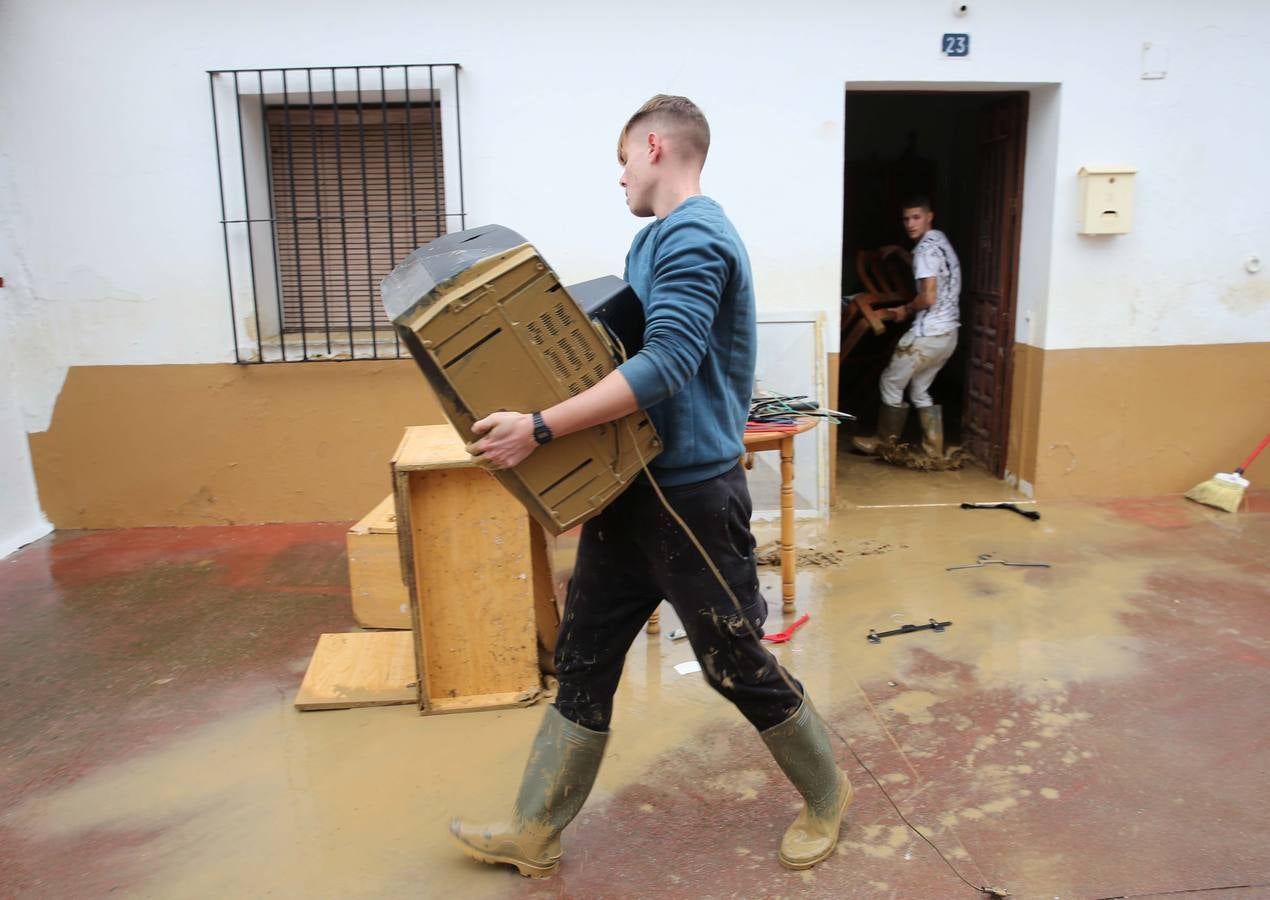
(694, 377)
(929, 343)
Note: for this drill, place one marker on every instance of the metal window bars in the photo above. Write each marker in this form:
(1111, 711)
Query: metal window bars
(328, 177)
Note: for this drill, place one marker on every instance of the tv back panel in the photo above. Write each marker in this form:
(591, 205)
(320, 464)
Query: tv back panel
(492, 328)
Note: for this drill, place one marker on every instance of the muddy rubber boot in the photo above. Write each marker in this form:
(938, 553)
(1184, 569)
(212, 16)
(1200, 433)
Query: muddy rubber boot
(562, 766)
(803, 749)
(932, 419)
(891, 421)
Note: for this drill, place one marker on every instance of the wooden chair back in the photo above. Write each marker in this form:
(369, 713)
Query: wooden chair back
(887, 270)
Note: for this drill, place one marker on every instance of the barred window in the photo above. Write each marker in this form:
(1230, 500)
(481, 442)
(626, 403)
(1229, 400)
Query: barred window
(329, 177)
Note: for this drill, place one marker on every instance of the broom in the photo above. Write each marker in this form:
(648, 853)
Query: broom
(1225, 490)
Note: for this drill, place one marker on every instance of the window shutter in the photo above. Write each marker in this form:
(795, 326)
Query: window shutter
(354, 192)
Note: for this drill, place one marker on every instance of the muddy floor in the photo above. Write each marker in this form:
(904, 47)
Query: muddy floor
(1094, 729)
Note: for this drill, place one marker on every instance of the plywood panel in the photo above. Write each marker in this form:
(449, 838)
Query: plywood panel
(380, 599)
(473, 569)
(546, 611)
(380, 520)
(425, 447)
(509, 700)
(359, 669)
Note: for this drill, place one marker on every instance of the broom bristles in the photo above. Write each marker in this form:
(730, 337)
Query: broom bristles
(1224, 491)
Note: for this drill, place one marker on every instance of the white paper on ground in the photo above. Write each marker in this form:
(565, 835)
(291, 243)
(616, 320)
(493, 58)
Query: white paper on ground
(687, 668)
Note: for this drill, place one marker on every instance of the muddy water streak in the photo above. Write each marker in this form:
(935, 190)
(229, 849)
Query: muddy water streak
(355, 803)
(346, 803)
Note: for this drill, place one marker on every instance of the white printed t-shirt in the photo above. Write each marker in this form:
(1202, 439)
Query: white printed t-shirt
(934, 257)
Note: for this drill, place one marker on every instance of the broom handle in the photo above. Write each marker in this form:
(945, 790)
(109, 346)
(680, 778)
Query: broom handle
(1253, 455)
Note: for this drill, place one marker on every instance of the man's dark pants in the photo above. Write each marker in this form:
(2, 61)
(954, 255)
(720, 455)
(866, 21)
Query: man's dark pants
(634, 554)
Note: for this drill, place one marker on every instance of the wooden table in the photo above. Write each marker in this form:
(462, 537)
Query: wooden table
(757, 442)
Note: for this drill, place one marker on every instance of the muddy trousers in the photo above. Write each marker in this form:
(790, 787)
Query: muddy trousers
(915, 363)
(634, 554)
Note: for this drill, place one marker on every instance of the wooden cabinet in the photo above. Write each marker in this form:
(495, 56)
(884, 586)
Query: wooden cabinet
(477, 578)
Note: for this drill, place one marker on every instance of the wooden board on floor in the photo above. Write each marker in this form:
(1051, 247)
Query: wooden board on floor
(360, 669)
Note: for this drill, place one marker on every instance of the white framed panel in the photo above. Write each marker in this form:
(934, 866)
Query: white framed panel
(791, 360)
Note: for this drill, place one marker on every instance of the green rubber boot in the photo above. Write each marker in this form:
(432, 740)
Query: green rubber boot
(891, 421)
(803, 749)
(562, 766)
(932, 419)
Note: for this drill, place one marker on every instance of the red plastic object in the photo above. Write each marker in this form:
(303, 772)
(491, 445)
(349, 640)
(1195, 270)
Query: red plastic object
(781, 637)
(1247, 462)
(770, 426)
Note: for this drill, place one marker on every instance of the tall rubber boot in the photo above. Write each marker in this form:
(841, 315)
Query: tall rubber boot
(891, 421)
(802, 748)
(562, 766)
(932, 419)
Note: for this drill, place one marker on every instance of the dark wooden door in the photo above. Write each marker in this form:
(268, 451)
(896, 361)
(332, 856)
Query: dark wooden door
(988, 300)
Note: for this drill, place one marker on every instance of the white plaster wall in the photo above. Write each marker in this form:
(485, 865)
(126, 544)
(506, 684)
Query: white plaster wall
(117, 253)
(1036, 236)
(21, 520)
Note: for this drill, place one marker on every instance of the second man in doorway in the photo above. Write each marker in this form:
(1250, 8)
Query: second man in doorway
(928, 343)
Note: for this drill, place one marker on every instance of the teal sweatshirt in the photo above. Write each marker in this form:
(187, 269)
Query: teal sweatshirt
(695, 372)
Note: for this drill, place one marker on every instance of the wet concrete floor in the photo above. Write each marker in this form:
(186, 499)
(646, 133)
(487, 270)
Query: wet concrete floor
(1095, 729)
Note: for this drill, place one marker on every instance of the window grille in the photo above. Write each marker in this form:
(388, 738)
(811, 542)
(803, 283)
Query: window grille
(328, 178)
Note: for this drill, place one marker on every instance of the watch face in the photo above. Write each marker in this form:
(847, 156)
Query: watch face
(542, 431)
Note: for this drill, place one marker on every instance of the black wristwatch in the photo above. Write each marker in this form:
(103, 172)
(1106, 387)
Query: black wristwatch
(542, 434)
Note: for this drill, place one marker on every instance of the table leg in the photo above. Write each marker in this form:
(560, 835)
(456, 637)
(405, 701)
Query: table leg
(788, 555)
(654, 622)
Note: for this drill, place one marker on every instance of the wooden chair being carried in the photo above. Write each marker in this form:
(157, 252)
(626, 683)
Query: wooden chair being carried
(887, 276)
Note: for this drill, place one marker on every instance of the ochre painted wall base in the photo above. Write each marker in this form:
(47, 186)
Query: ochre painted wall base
(224, 444)
(310, 442)
(1137, 421)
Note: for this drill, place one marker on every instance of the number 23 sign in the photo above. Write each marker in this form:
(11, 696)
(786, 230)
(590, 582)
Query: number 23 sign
(956, 45)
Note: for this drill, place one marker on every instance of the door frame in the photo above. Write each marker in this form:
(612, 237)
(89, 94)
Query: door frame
(1001, 430)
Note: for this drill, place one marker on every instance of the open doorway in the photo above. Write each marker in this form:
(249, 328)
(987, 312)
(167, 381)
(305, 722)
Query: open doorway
(965, 152)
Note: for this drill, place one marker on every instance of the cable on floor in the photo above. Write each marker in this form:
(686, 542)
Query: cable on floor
(1228, 887)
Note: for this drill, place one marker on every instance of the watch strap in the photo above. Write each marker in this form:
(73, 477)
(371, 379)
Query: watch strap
(542, 433)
